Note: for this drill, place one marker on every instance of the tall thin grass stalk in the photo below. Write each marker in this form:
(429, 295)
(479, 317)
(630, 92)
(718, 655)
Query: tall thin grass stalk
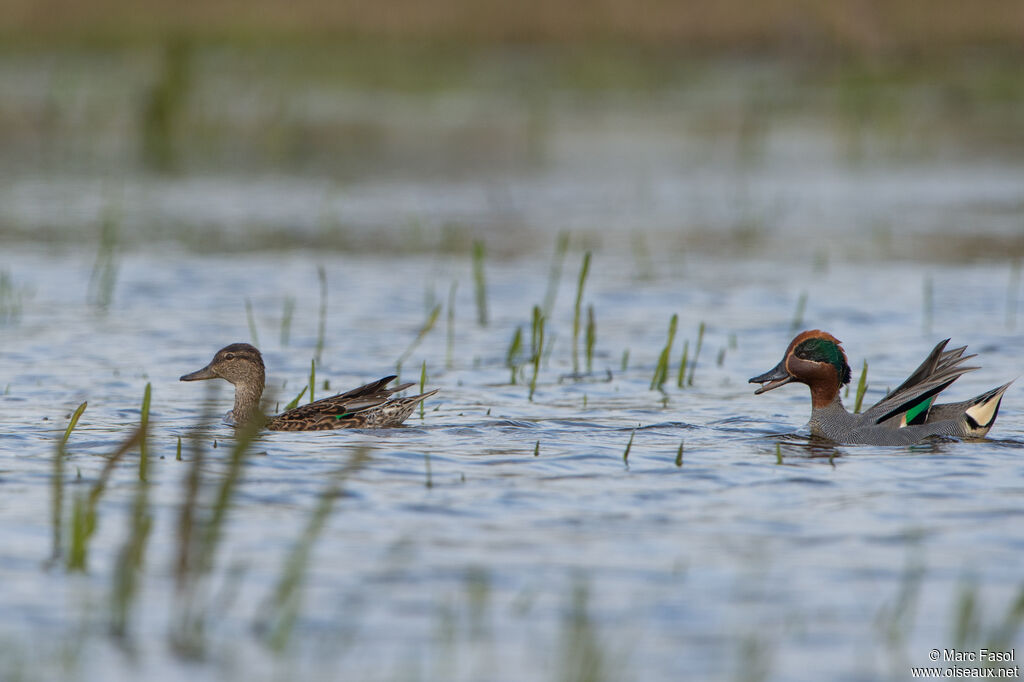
(144, 427)
(286, 320)
(72, 423)
(104, 270)
(321, 330)
(423, 383)
(57, 484)
(312, 379)
(798, 314)
(1012, 292)
(591, 338)
(177, 455)
(295, 401)
(629, 446)
(449, 346)
(200, 528)
(283, 606)
(515, 348)
(128, 565)
(625, 360)
(681, 377)
(428, 324)
(252, 323)
(928, 303)
(536, 346)
(661, 370)
(581, 281)
(862, 387)
(429, 483)
(480, 282)
(679, 454)
(778, 453)
(555, 272)
(84, 515)
(696, 353)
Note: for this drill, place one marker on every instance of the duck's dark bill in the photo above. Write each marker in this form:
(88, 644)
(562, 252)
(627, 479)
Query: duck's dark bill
(773, 378)
(204, 373)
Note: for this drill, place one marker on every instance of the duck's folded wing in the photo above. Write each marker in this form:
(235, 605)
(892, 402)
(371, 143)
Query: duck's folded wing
(935, 374)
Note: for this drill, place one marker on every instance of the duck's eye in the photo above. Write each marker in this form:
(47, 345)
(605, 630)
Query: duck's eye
(229, 356)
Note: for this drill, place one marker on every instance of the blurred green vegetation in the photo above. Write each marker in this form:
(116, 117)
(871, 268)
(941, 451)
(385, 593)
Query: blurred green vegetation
(862, 26)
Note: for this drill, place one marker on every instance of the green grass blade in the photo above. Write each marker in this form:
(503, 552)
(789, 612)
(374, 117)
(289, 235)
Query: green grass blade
(555, 272)
(286, 320)
(581, 281)
(862, 387)
(75, 416)
(661, 370)
(321, 330)
(252, 323)
(629, 446)
(696, 354)
(428, 324)
(480, 283)
(295, 402)
(144, 429)
(283, 605)
(537, 341)
(312, 379)
(591, 338)
(449, 348)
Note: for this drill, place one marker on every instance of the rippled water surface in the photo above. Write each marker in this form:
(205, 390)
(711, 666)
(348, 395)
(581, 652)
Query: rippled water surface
(601, 530)
(496, 536)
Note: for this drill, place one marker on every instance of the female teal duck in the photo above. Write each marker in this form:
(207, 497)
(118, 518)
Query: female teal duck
(368, 406)
(906, 415)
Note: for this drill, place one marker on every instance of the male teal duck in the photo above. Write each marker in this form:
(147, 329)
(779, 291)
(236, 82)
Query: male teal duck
(368, 406)
(904, 416)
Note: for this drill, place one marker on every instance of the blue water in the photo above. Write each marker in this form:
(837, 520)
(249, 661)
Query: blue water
(728, 566)
(498, 537)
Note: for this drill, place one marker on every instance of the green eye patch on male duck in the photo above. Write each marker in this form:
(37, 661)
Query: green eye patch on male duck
(368, 406)
(908, 414)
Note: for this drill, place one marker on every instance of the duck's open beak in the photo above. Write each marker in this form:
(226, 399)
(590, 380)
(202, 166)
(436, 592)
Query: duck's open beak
(773, 378)
(204, 373)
